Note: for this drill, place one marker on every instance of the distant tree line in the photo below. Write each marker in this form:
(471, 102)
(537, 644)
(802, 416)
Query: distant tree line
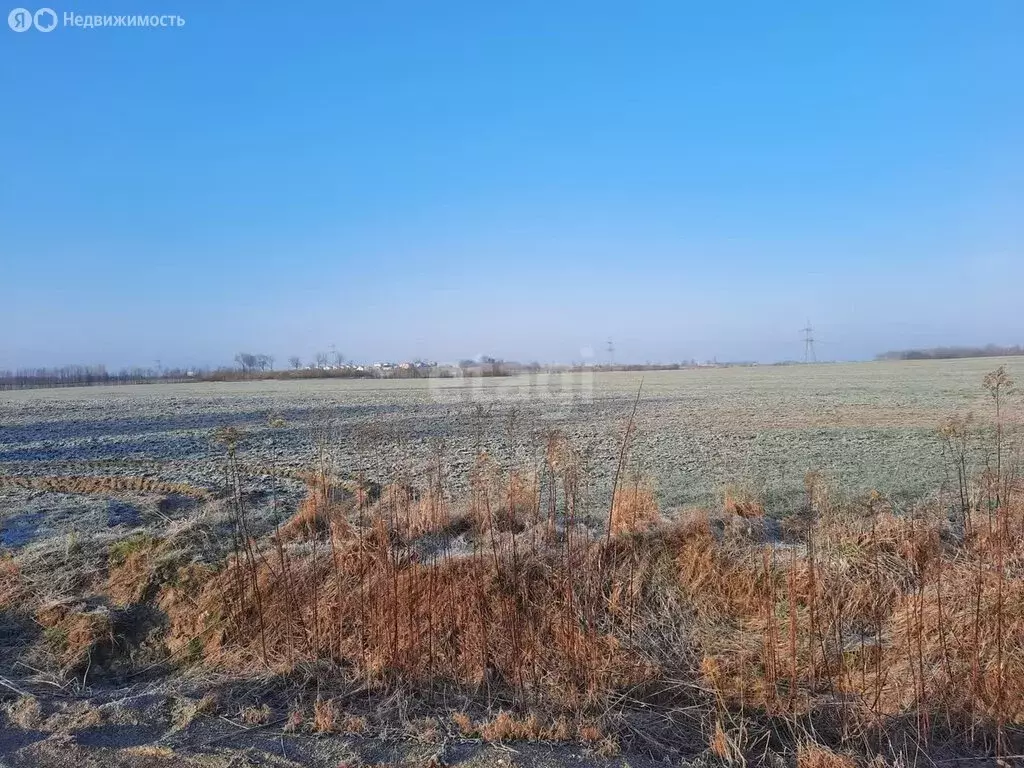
(235, 374)
(949, 353)
(250, 365)
(86, 375)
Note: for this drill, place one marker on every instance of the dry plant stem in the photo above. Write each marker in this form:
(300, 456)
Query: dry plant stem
(622, 457)
(247, 545)
(770, 662)
(976, 660)
(792, 631)
(942, 633)
(632, 561)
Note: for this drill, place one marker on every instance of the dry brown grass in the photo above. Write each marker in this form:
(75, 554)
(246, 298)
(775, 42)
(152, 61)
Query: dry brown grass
(209, 704)
(323, 510)
(720, 743)
(76, 636)
(131, 570)
(848, 610)
(506, 727)
(354, 725)
(462, 618)
(256, 715)
(570, 622)
(465, 724)
(736, 501)
(329, 718)
(424, 729)
(26, 713)
(193, 615)
(812, 755)
(634, 509)
(11, 586)
(529, 726)
(325, 715)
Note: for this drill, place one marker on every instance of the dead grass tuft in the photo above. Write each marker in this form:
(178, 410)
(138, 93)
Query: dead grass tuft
(296, 718)
(26, 713)
(813, 755)
(591, 734)
(256, 715)
(725, 745)
(635, 509)
(465, 724)
(12, 589)
(354, 725)
(742, 503)
(607, 747)
(325, 715)
(131, 570)
(506, 727)
(425, 729)
(209, 704)
(77, 636)
(323, 510)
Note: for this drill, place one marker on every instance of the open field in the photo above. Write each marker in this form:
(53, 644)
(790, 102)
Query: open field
(420, 572)
(866, 426)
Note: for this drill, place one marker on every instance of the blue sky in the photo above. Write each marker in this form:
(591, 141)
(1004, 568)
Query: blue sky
(516, 179)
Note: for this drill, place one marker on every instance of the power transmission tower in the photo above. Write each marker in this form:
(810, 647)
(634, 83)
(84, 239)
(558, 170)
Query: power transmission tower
(809, 354)
(611, 352)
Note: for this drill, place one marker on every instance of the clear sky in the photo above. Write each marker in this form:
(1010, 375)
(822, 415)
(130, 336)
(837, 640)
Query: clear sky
(520, 179)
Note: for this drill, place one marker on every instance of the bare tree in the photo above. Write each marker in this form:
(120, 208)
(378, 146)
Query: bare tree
(295, 361)
(248, 361)
(321, 359)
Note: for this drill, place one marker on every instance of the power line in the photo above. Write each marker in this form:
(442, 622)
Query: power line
(809, 353)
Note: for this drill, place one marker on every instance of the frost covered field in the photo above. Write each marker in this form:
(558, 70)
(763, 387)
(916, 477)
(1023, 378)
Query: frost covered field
(865, 425)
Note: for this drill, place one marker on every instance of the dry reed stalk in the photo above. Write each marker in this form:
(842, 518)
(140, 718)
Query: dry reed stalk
(791, 599)
(622, 456)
